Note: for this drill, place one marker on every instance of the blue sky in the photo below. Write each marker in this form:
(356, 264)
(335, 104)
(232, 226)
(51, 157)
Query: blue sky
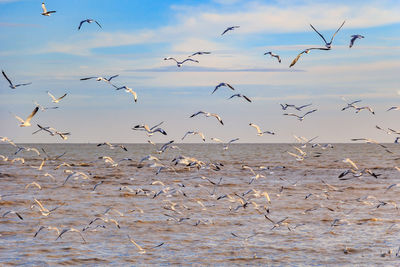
(52, 54)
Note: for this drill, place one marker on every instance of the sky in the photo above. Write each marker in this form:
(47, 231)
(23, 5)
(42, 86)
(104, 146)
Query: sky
(136, 36)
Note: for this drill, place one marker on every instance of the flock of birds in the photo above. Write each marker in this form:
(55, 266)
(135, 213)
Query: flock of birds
(259, 199)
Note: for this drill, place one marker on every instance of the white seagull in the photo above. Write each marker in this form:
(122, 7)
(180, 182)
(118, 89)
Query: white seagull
(101, 79)
(26, 123)
(180, 63)
(354, 38)
(208, 114)
(194, 133)
(230, 29)
(150, 131)
(226, 147)
(259, 132)
(88, 21)
(129, 90)
(12, 86)
(273, 55)
(301, 118)
(328, 45)
(45, 12)
(55, 100)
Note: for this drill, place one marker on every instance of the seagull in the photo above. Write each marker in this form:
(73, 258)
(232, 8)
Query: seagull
(222, 84)
(12, 86)
(301, 118)
(353, 38)
(56, 100)
(150, 131)
(88, 21)
(394, 108)
(273, 55)
(26, 123)
(48, 228)
(194, 133)
(101, 79)
(42, 108)
(306, 52)
(165, 146)
(70, 230)
(226, 147)
(129, 90)
(358, 109)
(45, 12)
(230, 29)
(112, 146)
(240, 95)
(328, 45)
(259, 132)
(200, 53)
(180, 63)
(350, 104)
(208, 114)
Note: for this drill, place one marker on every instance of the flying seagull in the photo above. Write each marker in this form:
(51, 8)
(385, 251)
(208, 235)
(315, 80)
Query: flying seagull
(240, 95)
(55, 100)
(306, 52)
(301, 118)
(328, 45)
(150, 131)
(194, 133)
(179, 63)
(273, 55)
(107, 80)
(129, 90)
(354, 38)
(26, 123)
(45, 12)
(259, 132)
(88, 21)
(350, 104)
(12, 86)
(222, 84)
(208, 114)
(230, 29)
(200, 53)
(394, 108)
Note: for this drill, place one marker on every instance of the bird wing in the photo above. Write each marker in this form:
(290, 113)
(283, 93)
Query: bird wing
(227, 29)
(195, 114)
(171, 58)
(319, 33)
(245, 97)
(217, 117)
(291, 114)
(88, 78)
(296, 59)
(54, 99)
(189, 59)
(333, 36)
(98, 24)
(61, 97)
(19, 119)
(44, 8)
(112, 77)
(32, 114)
(311, 111)
(216, 87)
(80, 24)
(354, 37)
(5, 76)
(190, 132)
(256, 126)
(133, 93)
(155, 126)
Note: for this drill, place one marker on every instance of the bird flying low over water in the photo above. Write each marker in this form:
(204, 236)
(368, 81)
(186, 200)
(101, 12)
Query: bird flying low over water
(354, 38)
(180, 63)
(208, 114)
(26, 123)
(328, 45)
(45, 12)
(230, 29)
(88, 21)
(259, 132)
(222, 84)
(150, 131)
(273, 55)
(12, 86)
(306, 52)
(55, 100)
(240, 95)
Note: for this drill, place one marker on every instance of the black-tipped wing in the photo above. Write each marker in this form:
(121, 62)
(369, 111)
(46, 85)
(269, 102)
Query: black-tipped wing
(80, 24)
(5, 76)
(88, 78)
(319, 34)
(98, 24)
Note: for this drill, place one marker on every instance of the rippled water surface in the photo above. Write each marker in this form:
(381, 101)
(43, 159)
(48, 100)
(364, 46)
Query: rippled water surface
(206, 216)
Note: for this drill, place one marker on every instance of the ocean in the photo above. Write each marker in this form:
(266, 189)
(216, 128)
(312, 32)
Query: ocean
(252, 204)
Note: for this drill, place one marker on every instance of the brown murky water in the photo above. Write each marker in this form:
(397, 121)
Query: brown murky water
(326, 221)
